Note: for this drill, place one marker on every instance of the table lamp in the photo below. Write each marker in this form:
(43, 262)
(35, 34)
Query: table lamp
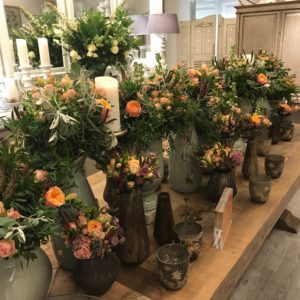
(163, 24)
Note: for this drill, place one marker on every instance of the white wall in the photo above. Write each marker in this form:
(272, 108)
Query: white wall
(138, 7)
(33, 6)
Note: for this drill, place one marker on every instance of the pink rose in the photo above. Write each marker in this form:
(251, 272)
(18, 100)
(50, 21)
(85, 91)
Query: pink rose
(84, 252)
(72, 225)
(40, 175)
(11, 213)
(82, 220)
(7, 248)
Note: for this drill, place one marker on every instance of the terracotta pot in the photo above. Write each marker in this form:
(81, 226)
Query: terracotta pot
(96, 275)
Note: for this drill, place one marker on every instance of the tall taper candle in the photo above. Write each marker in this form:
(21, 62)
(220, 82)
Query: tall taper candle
(44, 52)
(12, 50)
(111, 86)
(22, 53)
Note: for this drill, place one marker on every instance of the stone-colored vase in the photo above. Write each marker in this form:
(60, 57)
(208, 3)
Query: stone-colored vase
(30, 282)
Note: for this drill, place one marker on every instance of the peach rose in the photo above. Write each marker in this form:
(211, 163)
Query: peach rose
(49, 88)
(134, 108)
(72, 225)
(40, 175)
(183, 98)
(66, 81)
(134, 166)
(165, 101)
(262, 79)
(101, 92)
(12, 213)
(2, 209)
(94, 226)
(84, 252)
(68, 95)
(7, 248)
(55, 197)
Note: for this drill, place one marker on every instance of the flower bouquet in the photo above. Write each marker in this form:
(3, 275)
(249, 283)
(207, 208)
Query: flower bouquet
(92, 233)
(223, 161)
(25, 224)
(96, 42)
(61, 120)
(127, 175)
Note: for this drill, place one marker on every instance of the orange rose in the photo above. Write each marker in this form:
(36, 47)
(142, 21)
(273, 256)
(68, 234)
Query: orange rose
(262, 78)
(183, 98)
(55, 197)
(165, 101)
(256, 120)
(94, 226)
(104, 103)
(134, 108)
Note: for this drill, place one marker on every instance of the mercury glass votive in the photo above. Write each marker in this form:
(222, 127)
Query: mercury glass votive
(190, 234)
(260, 188)
(263, 146)
(274, 164)
(173, 261)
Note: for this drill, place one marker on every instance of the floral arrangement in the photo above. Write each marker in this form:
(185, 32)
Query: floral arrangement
(144, 122)
(282, 84)
(220, 158)
(44, 25)
(61, 120)
(285, 109)
(252, 124)
(96, 41)
(25, 223)
(128, 172)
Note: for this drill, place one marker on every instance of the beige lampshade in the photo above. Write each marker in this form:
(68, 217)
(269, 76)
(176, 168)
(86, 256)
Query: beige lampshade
(163, 23)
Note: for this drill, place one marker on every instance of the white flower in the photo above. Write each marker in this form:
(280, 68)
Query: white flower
(267, 85)
(91, 48)
(57, 31)
(74, 55)
(114, 49)
(90, 54)
(31, 55)
(95, 55)
(115, 43)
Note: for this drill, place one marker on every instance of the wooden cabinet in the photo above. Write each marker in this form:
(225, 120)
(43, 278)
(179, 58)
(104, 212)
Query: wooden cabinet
(274, 27)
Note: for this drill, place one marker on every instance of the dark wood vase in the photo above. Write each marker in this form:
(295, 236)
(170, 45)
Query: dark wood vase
(96, 275)
(164, 220)
(217, 183)
(250, 165)
(136, 248)
(112, 196)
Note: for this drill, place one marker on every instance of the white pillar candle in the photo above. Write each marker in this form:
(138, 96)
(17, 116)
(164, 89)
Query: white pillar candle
(111, 86)
(44, 52)
(22, 53)
(10, 93)
(11, 44)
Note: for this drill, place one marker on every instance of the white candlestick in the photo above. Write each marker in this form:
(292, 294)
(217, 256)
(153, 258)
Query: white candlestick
(111, 86)
(44, 52)
(22, 53)
(11, 44)
(11, 93)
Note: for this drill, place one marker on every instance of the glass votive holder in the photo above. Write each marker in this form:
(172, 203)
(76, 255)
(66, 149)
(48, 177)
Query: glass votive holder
(173, 262)
(189, 234)
(260, 188)
(274, 164)
(263, 146)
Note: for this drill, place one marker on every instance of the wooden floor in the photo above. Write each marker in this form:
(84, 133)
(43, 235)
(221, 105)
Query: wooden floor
(274, 274)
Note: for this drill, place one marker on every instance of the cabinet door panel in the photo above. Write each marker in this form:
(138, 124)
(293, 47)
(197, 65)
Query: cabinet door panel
(259, 31)
(290, 44)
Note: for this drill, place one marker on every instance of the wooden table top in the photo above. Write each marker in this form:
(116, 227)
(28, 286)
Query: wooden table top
(215, 273)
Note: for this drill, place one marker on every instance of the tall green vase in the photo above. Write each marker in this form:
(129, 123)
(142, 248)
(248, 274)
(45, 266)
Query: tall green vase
(64, 255)
(184, 174)
(25, 282)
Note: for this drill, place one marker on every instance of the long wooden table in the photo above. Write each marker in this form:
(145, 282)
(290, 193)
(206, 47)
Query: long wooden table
(215, 273)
